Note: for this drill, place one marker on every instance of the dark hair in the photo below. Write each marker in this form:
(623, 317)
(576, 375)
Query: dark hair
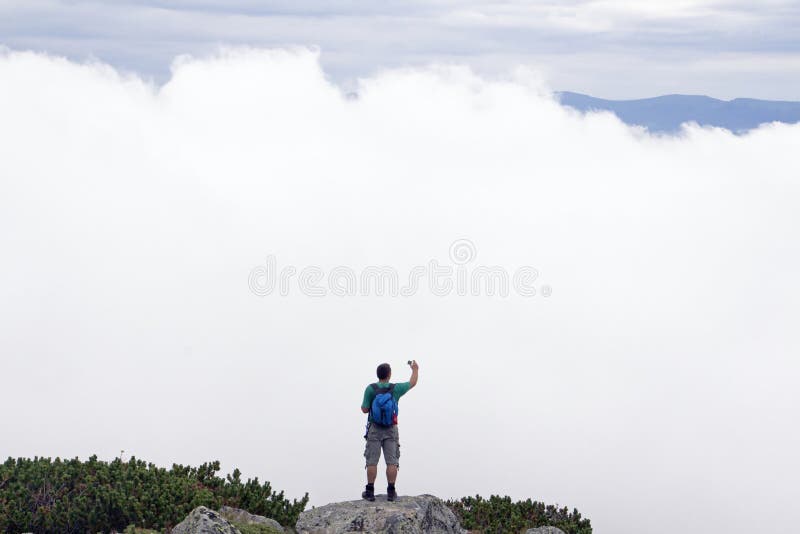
(384, 370)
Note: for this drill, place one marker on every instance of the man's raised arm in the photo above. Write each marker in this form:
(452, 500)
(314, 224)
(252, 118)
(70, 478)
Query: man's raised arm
(414, 373)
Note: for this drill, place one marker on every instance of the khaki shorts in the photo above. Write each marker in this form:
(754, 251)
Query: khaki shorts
(386, 438)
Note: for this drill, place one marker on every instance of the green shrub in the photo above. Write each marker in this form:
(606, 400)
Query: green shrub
(500, 515)
(136, 530)
(255, 529)
(43, 496)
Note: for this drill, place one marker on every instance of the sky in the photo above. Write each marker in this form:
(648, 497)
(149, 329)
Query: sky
(606, 48)
(183, 278)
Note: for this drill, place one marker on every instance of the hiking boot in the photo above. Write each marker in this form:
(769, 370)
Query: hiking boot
(369, 493)
(391, 493)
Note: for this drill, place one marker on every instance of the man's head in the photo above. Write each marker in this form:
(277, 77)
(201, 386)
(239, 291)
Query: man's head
(384, 371)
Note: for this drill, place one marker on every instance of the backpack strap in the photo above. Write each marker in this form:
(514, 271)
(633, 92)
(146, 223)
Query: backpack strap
(377, 389)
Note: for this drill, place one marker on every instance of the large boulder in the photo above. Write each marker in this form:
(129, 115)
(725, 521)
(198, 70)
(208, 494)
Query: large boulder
(243, 517)
(408, 515)
(201, 520)
(544, 530)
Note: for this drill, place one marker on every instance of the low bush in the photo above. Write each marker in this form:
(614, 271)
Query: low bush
(45, 496)
(501, 515)
(136, 530)
(255, 529)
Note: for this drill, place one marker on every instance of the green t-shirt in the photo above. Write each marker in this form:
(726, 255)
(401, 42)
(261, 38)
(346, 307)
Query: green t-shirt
(398, 391)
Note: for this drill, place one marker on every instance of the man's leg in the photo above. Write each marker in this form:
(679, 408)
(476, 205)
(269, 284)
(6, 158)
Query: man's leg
(391, 453)
(391, 474)
(369, 490)
(372, 473)
(372, 453)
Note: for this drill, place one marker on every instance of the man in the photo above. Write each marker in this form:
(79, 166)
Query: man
(386, 436)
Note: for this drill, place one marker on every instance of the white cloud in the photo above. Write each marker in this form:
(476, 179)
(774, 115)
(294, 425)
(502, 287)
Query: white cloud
(655, 386)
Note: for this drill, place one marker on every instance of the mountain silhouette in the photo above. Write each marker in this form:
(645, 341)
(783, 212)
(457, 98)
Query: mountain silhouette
(665, 114)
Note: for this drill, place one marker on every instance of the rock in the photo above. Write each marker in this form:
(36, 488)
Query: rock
(201, 520)
(544, 530)
(408, 515)
(243, 517)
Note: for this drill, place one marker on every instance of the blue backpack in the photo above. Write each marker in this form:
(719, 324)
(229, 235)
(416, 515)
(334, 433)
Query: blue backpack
(384, 407)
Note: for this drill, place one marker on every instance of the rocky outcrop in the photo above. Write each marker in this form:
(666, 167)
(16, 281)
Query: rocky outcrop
(544, 530)
(201, 520)
(423, 514)
(243, 517)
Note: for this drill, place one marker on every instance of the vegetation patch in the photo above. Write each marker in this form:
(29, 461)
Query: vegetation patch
(136, 530)
(45, 496)
(255, 529)
(501, 515)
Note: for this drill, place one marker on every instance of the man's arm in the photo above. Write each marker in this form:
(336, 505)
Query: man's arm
(365, 403)
(414, 373)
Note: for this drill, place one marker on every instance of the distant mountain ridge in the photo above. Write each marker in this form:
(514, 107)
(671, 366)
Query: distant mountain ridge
(666, 113)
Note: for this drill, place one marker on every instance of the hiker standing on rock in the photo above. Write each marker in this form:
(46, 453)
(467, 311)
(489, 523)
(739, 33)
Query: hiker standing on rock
(380, 402)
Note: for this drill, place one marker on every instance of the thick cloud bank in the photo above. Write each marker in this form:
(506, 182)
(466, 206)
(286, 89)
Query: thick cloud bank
(650, 380)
